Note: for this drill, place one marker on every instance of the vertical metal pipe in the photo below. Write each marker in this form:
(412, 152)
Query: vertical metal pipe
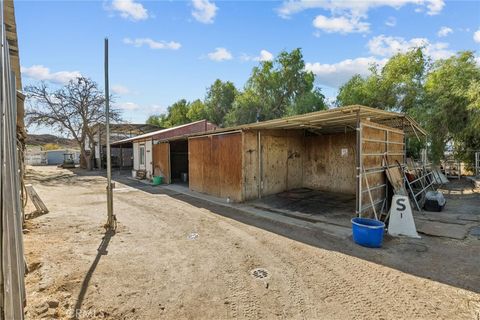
(358, 161)
(110, 221)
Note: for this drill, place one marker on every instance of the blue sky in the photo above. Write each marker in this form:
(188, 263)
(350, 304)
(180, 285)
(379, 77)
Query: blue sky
(162, 51)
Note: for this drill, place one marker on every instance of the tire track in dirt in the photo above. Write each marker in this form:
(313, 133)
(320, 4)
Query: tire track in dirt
(284, 282)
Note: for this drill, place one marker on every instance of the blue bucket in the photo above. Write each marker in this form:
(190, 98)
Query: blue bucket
(368, 232)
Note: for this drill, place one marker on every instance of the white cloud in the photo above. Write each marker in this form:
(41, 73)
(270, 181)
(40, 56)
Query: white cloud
(127, 106)
(138, 42)
(444, 31)
(387, 46)
(356, 8)
(264, 56)
(476, 36)
(119, 89)
(350, 15)
(220, 54)
(336, 74)
(204, 11)
(340, 24)
(129, 9)
(155, 109)
(39, 72)
(435, 6)
(391, 22)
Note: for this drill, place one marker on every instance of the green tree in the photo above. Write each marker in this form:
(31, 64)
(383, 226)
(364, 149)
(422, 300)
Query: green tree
(246, 109)
(176, 115)
(197, 111)
(451, 112)
(219, 101)
(402, 80)
(398, 86)
(158, 120)
(354, 91)
(309, 102)
(277, 88)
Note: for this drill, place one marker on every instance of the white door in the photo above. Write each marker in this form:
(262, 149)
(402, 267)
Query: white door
(141, 156)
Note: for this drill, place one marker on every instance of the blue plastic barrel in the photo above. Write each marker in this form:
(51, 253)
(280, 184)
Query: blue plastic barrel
(368, 232)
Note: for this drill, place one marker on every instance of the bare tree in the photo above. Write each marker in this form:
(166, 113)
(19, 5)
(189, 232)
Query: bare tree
(74, 109)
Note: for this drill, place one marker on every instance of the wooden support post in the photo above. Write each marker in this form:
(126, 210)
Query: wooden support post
(37, 202)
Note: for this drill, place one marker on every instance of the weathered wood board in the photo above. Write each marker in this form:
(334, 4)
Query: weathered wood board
(215, 165)
(378, 140)
(329, 163)
(161, 161)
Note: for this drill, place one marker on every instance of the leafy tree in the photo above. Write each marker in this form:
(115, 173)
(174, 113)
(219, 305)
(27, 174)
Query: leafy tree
(354, 91)
(451, 113)
(443, 96)
(197, 111)
(277, 88)
(398, 86)
(158, 120)
(402, 80)
(309, 102)
(246, 109)
(219, 101)
(176, 115)
(73, 109)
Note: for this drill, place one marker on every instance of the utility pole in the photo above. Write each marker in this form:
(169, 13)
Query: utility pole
(111, 220)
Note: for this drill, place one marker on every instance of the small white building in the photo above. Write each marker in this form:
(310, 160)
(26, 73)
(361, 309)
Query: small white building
(35, 156)
(151, 158)
(121, 157)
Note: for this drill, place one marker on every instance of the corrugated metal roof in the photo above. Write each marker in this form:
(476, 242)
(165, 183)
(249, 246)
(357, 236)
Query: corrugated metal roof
(158, 132)
(335, 120)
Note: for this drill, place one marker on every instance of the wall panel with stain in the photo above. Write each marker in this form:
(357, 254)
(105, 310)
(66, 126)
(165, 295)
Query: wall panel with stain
(329, 162)
(215, 165)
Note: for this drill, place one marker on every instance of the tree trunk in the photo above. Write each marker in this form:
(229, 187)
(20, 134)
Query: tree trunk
(87, 158)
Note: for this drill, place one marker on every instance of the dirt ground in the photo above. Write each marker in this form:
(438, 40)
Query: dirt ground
(178, 258)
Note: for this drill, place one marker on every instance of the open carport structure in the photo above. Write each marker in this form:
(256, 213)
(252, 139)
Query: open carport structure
(330, 151)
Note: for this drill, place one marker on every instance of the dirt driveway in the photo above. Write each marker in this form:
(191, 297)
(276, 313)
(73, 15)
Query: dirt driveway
(174, 260)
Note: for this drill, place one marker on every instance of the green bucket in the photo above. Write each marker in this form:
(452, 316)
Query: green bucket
(157, 180)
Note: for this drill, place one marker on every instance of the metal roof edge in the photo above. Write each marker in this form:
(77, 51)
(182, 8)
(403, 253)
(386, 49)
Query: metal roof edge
(153, 133)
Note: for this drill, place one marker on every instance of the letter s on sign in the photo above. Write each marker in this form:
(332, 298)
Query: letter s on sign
(401, 204)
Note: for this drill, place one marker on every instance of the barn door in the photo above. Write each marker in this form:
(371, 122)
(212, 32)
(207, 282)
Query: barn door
(161, 160)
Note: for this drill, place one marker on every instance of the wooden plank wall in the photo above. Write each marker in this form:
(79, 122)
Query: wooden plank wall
(215, 165)
(326, 167)
(282, 155)
(161, 160)
(288, 159)
(376, 140)
(291, 160)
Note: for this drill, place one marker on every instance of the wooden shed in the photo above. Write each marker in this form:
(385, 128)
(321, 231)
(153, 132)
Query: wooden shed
(330, 150)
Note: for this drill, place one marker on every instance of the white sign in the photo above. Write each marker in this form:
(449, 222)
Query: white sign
(401, 221)
(344, 152)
